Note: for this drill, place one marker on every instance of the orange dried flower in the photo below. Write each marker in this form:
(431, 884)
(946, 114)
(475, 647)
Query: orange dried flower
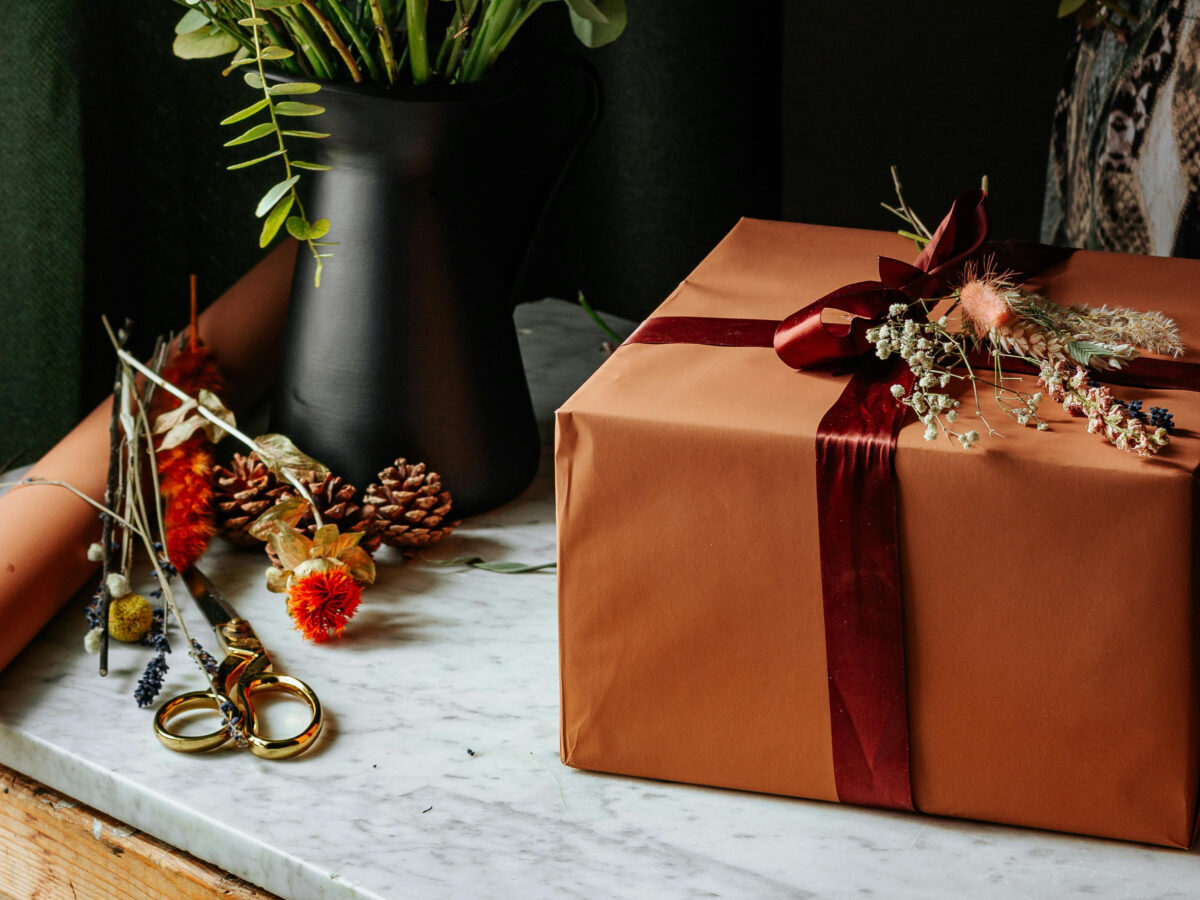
(183, 470)
(321, 575)
(322, 602)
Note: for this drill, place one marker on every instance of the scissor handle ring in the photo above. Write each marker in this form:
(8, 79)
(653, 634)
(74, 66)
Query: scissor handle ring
(185, 743)
(242, 695)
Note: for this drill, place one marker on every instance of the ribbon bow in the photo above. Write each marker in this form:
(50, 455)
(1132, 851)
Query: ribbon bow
(804, 339)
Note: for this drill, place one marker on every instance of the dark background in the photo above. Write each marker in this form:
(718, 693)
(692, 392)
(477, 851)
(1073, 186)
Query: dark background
(797, 110)
(715, 111)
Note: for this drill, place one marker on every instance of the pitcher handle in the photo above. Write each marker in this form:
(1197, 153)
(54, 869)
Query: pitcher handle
(577, 137)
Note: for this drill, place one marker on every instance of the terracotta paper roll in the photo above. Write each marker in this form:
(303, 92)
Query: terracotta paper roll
(45, 531)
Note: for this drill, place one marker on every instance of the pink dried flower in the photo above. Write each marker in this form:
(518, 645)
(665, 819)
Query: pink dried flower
(1106, 417)
(983, 302)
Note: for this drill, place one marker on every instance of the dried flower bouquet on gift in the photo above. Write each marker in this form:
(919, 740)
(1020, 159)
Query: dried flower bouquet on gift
(989, 326)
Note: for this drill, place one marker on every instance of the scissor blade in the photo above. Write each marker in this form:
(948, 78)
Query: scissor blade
(210, 600)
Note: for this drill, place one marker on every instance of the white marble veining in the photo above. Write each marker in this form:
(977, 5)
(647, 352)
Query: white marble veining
(439, 661)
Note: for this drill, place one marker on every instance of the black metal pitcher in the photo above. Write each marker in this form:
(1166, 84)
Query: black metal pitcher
(408, 347)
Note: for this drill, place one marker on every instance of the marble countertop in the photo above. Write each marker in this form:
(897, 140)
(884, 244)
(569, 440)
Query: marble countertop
(439, 774)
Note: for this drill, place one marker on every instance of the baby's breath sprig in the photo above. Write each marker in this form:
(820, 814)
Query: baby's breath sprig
(937, 357)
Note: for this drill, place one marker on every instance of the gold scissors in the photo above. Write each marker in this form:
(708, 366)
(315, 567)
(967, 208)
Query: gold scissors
(244, 672)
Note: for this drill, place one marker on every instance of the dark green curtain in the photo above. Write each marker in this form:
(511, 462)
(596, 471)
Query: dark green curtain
(160, 204)
(42, 202)
(113, 191)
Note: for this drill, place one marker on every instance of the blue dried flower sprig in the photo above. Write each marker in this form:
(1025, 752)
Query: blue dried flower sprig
(92, 613)
(1155, 416)
(205, 659)
(1160, 418)
(151, 682)
(234, 723)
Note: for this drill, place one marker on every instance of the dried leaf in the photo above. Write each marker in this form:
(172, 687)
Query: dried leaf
(282, 457)
(345, 542)
(503, 568)
(325, 540)
(290, 546)
(360, 564)
(180, 423)
(286, 512)
(276, 580)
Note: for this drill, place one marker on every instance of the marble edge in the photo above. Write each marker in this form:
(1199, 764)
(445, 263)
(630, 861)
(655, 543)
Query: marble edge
(118, 797)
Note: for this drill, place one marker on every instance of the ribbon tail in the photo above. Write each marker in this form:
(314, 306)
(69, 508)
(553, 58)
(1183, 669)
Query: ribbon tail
(860, 584)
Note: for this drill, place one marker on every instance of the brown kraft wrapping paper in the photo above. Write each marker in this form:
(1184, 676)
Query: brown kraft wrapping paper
(1048, 578)
(45, 530)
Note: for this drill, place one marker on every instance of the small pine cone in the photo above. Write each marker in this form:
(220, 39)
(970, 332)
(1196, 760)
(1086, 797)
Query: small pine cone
(241, 495)
(336, 501)
(410, 506)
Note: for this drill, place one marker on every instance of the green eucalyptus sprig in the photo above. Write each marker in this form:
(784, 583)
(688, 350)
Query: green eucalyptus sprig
(281, 204)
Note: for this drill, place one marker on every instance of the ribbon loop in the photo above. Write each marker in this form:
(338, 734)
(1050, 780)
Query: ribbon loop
(804, 339)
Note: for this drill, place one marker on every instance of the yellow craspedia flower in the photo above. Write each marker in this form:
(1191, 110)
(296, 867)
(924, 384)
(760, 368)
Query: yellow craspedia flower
(129, 618)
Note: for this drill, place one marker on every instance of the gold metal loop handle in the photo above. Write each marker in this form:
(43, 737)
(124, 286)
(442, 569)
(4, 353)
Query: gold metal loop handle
(184, 743)
(272, 682)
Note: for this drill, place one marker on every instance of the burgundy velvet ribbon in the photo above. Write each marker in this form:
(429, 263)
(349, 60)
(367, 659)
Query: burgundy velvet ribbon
(856, 489)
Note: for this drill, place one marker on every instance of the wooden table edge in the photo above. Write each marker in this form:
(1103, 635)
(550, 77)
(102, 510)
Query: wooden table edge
(52, 847)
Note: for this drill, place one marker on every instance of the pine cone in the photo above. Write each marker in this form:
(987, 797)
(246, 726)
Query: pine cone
(335, 500)
(240, 496)
(410, 506)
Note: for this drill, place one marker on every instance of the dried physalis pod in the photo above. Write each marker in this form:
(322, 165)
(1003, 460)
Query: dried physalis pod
(337, 502)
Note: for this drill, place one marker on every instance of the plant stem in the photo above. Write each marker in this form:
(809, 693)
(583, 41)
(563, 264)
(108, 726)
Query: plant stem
(335, 40)
(278, 34)
(587, 307)
(912, 216)
(356, 36)
(418, 49)
(496, 18)
(233, 430)
(506, 38)
(310, 48)
(385, 40)
(110, 499)
(478, 44)
(29, 482)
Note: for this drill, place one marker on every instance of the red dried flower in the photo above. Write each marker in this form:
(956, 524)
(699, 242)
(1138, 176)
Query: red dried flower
(323, 602)
(183, 471)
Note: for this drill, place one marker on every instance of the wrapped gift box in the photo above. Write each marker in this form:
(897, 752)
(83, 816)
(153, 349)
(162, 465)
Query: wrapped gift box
(1048, 580)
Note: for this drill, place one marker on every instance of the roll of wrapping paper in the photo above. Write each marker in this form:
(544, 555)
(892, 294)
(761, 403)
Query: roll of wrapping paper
(45, 530)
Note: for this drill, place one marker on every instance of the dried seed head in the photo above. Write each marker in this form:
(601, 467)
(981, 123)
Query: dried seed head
(985, 304)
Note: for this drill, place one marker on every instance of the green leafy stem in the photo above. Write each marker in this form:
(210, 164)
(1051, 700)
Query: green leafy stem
(281, 204)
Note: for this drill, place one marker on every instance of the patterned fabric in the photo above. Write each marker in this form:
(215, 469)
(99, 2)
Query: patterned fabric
(1124, 170)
